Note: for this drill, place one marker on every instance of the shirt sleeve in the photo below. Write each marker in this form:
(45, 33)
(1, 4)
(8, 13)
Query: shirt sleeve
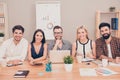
(50, 46)
(24, 51)
(70, 47)
(117, 48)
(3, 48)
(99, 49)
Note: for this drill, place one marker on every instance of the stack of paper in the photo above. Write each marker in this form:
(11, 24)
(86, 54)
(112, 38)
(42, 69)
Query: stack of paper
(87, 72)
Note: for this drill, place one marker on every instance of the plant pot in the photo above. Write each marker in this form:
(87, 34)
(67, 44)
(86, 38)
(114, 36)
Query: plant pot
(68, 67)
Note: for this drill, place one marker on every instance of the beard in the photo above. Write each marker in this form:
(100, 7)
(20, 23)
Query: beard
(106, 36)
(58, 38)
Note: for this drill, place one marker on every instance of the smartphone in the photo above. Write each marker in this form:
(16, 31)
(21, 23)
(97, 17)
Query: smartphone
(10, 65)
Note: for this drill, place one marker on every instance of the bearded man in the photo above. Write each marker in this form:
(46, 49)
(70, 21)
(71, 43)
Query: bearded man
(58, 43)
(107, 46)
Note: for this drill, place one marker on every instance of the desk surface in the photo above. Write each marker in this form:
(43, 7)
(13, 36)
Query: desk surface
(58, 72)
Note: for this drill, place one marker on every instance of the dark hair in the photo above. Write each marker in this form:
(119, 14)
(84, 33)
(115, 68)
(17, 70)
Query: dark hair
(104, 24)
(38, 30)
(57, 27)
(19, 27)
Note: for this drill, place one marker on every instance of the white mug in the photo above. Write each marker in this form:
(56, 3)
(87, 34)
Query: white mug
(104, 62)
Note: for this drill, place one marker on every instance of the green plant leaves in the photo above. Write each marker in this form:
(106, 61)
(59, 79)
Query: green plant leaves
(68, 60)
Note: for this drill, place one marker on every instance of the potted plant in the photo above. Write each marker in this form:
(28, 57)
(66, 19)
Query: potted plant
(1, 36)
(68, 62)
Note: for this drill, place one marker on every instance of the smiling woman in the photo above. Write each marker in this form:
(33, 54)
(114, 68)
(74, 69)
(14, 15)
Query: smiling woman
(83, 45)
(37, 50)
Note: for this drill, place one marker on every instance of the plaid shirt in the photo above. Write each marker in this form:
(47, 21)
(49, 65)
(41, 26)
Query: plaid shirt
(101, 47)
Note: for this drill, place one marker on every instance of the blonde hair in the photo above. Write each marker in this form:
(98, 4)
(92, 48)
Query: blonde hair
(81, 27)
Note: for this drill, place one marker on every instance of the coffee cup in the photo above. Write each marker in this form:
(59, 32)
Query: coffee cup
(104, 62)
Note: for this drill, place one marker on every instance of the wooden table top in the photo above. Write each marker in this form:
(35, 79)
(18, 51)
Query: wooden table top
(58, 72)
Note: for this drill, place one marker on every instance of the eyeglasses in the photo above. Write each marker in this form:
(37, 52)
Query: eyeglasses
(57, 32)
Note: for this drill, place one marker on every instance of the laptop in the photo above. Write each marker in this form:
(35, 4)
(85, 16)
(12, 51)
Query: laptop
(57, 56)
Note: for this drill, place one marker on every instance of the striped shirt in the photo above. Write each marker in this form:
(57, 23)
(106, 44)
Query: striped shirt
(102, 49)
(85, 48)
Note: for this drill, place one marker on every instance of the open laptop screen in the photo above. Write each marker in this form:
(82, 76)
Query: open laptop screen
(56, 56)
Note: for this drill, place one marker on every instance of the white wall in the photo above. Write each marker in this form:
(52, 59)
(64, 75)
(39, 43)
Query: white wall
(73, 14)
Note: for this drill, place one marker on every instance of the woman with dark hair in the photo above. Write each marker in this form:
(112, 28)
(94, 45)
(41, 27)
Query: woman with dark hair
(37, 50)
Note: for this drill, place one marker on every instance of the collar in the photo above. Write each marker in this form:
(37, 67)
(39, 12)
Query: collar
(84, 43)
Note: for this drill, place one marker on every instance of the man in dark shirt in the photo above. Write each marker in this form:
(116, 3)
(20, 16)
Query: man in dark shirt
(107, 46)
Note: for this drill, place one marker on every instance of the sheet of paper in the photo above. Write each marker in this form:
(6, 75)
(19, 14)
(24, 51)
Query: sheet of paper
(105, 71)
(114, 64)
(87, 72)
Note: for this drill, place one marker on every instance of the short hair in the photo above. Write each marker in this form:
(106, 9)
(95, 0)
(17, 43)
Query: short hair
(19, 27)
(39, 30)
(104, 24)
(57, 27)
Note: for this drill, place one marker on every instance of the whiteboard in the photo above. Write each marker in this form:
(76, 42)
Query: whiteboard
(47, 16)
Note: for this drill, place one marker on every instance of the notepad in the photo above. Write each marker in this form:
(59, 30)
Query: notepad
(87, 72)
(21, 73)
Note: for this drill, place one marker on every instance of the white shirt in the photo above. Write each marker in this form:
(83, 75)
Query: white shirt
(11, 51)
(109, 51)
(81, 48)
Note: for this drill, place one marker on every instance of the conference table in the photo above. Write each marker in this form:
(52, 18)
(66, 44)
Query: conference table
(58, 72)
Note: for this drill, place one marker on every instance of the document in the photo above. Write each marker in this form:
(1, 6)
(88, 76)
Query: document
(114, 64)
(87, 59)
(87, 72)
(105, 71)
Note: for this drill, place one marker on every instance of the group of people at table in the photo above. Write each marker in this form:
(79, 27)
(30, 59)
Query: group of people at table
(17, 49)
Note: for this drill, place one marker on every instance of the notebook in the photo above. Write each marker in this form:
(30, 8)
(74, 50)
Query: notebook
(56, 56)
(21, 73)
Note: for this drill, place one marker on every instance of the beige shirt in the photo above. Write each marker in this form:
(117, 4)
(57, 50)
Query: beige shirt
(84, 48)
(11, 51)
